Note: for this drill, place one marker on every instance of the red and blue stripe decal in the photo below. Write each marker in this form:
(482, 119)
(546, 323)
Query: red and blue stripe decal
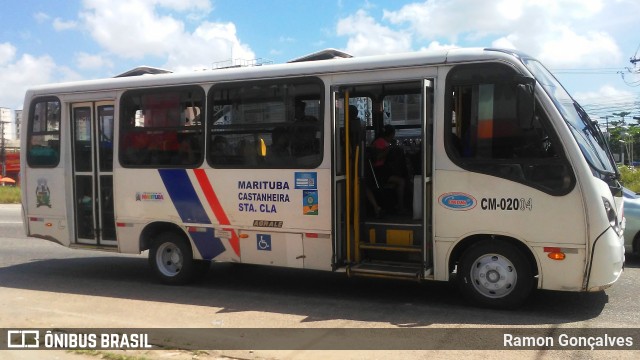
(218, 211)
(184, 196)
(191, 210)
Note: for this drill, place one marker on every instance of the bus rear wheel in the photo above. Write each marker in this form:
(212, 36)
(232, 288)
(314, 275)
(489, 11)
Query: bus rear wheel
(495, 273)
(171, 259)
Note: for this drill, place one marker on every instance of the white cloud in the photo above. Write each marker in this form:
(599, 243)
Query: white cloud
(61, 25)
(607, 100)
(506, 42)
(185, 5)
(131, 29)
(567, 48)
(7, 53)
(367, 37)
(606, 91)
(559, 32)
(88, 61)
(209, 43)
(435, 45)
(22, 73)
(41, 17)
(137, 29)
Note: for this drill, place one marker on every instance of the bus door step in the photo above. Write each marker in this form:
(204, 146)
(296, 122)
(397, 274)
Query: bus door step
(385, 270)
(386, 247)
(108, 248)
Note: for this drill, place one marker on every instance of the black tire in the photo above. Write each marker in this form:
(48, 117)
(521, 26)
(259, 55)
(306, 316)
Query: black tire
(171, 259)
(201, 269)
(496, 274)
(635, 246)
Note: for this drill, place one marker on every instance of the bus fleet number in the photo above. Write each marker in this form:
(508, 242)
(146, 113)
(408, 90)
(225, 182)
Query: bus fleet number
(506, 204)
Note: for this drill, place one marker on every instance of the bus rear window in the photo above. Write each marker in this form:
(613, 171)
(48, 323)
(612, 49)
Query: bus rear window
(43, 148)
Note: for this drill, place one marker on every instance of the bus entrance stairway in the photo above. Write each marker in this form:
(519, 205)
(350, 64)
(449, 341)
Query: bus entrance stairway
(389, 249)
(387, 270)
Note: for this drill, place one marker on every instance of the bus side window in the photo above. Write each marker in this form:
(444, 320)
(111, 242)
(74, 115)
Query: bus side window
(252, 114)
(279, 152)
(188, 152)
(40, 155)
(44, 133)
(488, 136)
(161, 127)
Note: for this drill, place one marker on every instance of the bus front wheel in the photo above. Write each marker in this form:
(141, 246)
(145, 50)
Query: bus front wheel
(171, 259)
(495, 273)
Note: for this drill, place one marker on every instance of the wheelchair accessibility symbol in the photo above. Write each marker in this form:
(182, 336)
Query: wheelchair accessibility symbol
(264, 242)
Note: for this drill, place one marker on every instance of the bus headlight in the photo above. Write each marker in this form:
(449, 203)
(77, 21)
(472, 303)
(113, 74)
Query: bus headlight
(612, 216)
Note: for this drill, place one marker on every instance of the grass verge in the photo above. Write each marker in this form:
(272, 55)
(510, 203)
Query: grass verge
(9, 195)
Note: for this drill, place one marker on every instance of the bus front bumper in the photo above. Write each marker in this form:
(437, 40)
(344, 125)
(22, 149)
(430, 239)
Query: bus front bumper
(607, 261)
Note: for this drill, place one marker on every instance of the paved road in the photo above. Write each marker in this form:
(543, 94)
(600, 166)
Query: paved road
(43, 285)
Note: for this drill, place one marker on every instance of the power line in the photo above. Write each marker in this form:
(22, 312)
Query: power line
(590, 71)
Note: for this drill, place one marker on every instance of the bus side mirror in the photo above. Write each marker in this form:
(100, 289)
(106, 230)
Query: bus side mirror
(525, 100)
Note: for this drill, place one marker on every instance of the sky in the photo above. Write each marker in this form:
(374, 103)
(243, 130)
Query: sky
(587, 44)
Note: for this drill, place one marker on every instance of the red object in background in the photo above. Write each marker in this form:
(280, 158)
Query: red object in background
(12, 162)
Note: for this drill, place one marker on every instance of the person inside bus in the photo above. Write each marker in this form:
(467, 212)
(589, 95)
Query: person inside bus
(278, 153)
(303, 139)
(389, 165)
(220, 150)
(136, 147)
(355, 137)
(355, 126)
(187, 152)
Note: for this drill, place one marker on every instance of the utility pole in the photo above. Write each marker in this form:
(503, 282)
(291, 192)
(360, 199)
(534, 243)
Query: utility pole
(3, 155)
(622, 114)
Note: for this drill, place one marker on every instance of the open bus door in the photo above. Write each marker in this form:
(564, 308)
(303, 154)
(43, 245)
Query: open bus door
(391, 244)
(92, 153)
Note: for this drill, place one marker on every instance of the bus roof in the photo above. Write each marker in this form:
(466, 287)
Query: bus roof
(308, 68)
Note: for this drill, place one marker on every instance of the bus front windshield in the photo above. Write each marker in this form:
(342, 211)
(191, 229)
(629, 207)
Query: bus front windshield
(586, 132)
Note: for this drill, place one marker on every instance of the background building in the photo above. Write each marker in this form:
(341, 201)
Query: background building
(18, 121)
(9, 145)
(6, 117)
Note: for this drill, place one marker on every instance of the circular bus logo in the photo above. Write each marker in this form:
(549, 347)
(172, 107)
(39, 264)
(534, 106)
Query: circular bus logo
(457, 201)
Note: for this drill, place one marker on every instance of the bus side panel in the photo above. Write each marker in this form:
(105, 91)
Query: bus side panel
(563, 275)
(44, 190)
(43, 193)
(146, 196)
(226, 212)
(471, 203)
(299, 199)
(318, 251)
(272, 248)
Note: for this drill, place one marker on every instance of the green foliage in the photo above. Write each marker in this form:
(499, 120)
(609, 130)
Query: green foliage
(630, 177)
(624, 137)
(9, 195)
